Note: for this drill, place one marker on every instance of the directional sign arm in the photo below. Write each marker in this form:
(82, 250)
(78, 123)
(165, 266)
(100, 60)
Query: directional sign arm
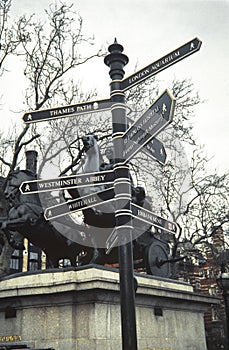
(78, 204)
(154, 149)
(67, 111)
(149, 217)
(162, 63)
(68, 182)
(153, 120)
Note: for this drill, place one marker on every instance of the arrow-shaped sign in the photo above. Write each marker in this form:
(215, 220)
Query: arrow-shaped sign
(67, 111)
(153, 120)
(161, 64)
(66, 182)
(152, 219)
(144, 215)
(78, 204)
(154, 149)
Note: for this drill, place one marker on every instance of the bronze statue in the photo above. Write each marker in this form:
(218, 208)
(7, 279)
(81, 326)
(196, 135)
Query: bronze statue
(26, 217)
(64, 238)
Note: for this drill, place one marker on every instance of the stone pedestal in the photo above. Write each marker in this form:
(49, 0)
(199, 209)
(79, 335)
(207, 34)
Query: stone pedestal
(78, 309)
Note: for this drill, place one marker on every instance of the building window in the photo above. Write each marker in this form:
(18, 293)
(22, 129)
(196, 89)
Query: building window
(33, 261)
(16, 261)
(212, 290)
(197, 286)
(215, 313)
(34, 258)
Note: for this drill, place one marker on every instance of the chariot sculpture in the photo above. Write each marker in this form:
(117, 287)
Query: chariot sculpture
(64, 239)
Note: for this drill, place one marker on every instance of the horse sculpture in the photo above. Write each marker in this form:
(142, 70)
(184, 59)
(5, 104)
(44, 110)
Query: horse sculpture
(26, 217)
(99, 219)
(65, 238)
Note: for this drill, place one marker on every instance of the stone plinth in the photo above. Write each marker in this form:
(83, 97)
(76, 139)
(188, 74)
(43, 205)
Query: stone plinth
(79, 309)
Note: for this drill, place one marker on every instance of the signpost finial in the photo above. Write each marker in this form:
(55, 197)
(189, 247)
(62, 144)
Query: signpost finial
(113, 57)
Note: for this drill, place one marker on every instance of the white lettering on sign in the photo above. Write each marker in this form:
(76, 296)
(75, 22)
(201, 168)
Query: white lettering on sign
(139, 75)
(128, 149)
(69, 182)
(140, 124)
(73, 109)
(91, 179)
(164, 61)
(150, 148)
(149, 131)
(60, 183)
(82, 203)
(84, 108)
(150, 217)
(61, 111)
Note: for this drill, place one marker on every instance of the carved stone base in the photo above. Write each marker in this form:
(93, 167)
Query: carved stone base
(79, 309)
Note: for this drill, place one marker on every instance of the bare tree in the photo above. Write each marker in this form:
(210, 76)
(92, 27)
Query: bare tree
(183, 190)
(180, 191)
(51, 49)
(9, 40)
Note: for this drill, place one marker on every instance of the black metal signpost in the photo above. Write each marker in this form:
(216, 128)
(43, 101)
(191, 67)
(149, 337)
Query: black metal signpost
(116, 60)
(161, 115)
(126, 142)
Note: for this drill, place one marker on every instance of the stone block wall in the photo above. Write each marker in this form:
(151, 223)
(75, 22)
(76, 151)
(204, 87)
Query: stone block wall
(79, 309)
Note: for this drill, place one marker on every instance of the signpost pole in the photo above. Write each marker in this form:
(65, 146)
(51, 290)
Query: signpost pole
(116, 60)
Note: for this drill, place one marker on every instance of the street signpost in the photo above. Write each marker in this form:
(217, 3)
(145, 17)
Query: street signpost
(162, 63)
(153, 120)
(140, 136)
(78, 204)
(67, 111)
(68, 182)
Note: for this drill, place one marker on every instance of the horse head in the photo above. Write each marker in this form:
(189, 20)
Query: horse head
(138, 195)
(89, 141)
(93, 157)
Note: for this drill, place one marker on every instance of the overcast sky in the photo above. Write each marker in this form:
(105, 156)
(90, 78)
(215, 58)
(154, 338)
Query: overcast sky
(149, 29)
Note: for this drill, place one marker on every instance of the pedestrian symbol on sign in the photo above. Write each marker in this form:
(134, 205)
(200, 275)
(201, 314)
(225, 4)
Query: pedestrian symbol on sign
(27, 188)
(164, 108)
